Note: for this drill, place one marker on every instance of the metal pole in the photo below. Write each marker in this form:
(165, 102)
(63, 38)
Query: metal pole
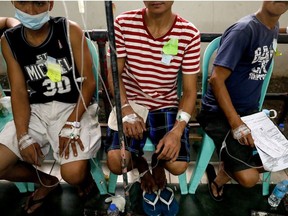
(113, 58)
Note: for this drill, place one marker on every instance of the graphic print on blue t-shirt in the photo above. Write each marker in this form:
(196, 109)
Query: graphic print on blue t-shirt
(262, 56)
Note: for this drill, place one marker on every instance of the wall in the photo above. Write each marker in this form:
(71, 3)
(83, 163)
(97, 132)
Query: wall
(208, 16)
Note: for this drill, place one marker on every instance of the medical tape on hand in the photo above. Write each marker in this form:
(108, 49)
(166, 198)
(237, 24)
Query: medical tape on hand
(26, 141)
(70, 133)
(241, 131)
(131, 118)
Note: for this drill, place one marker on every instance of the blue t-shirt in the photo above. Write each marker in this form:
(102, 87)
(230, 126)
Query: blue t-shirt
(246, 48)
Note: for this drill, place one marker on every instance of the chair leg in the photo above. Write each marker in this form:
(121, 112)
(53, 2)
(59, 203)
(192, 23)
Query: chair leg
(183, 183)
(204, 156)
(31, 186)
(22, 186)
(98, 176)
(266, 182)
(112, 182)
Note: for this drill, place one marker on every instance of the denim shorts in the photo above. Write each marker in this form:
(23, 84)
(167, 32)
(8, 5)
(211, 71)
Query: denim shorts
(234, 154)
(158, 123)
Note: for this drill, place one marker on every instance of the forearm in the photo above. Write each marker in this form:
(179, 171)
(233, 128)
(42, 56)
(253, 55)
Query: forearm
(187, 102)
(87, 92)
(21, 112)
(224, 101)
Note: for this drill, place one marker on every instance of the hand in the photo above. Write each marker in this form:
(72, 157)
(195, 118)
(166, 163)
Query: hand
(243, 134)
(32, 154)
(135, 128)
(65, 143)
(247, 140)
(170, 145)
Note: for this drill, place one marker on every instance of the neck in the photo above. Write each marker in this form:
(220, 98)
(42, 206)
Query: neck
(158, 19)
(268, 20)
(159, 24)
(37, 37)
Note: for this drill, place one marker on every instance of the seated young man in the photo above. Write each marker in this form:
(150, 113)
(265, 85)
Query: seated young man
(52, 113)
(243, 59)
(153, 44)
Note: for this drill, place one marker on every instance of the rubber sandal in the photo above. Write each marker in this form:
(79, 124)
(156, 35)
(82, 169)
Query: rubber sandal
(41, 201)
(151, 204)
(169, 205)
(211, 175)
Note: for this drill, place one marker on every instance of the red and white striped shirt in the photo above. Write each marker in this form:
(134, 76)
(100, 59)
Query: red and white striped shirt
(148, 81)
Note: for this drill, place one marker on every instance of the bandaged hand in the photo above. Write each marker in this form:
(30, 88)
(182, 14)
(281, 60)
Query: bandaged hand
(243, 135)
(133, 126)
(30, 150)
(69, 137)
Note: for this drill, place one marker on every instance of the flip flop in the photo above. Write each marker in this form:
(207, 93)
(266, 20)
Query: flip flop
(169, 205)
(151, 204)
(211, 175)
(31, 202)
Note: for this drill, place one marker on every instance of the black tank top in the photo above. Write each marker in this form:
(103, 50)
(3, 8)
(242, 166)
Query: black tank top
(32, 61)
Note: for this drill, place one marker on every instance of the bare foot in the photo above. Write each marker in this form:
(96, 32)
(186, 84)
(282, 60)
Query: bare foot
(87, 187)
(148, 183)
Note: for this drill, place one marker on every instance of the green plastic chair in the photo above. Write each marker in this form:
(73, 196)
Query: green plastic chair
(207, 148)
(149, 147)
(96, 167)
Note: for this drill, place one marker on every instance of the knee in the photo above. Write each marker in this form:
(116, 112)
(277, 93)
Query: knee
(176, 168)
(74, 173)
(248, 181)
(114, 162)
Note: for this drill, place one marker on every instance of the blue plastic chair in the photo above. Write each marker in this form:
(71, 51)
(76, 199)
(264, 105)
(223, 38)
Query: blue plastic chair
(207, 148)
(149, 147)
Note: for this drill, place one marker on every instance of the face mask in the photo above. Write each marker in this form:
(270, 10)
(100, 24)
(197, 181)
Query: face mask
(33, 22)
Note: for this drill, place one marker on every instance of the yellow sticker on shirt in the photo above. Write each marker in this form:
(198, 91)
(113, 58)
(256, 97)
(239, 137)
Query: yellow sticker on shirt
(171, 47)
(53, 70)
(278, 53)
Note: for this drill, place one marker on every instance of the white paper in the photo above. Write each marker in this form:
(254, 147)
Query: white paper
(271, 144)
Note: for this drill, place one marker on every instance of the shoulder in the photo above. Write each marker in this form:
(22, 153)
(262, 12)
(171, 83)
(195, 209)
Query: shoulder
(186, 26)
(14, 29)
(245, 26)
(132, 15)
(63, 22)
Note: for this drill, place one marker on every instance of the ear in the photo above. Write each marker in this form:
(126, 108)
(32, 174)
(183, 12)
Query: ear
(51, 5)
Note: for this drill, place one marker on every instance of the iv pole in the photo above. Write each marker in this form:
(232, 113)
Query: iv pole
(113, 58)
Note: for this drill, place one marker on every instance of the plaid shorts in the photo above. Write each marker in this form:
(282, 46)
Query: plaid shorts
(158, 123)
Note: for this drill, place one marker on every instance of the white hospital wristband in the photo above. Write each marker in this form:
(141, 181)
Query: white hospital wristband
(183, 116)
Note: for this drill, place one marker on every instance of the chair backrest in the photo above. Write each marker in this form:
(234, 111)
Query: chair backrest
(211, 48)
(95, 67)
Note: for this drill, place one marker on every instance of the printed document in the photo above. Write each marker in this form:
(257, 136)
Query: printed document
(270, 142)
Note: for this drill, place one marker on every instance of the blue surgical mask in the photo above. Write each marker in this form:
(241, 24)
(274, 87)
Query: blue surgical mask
(33, 22)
